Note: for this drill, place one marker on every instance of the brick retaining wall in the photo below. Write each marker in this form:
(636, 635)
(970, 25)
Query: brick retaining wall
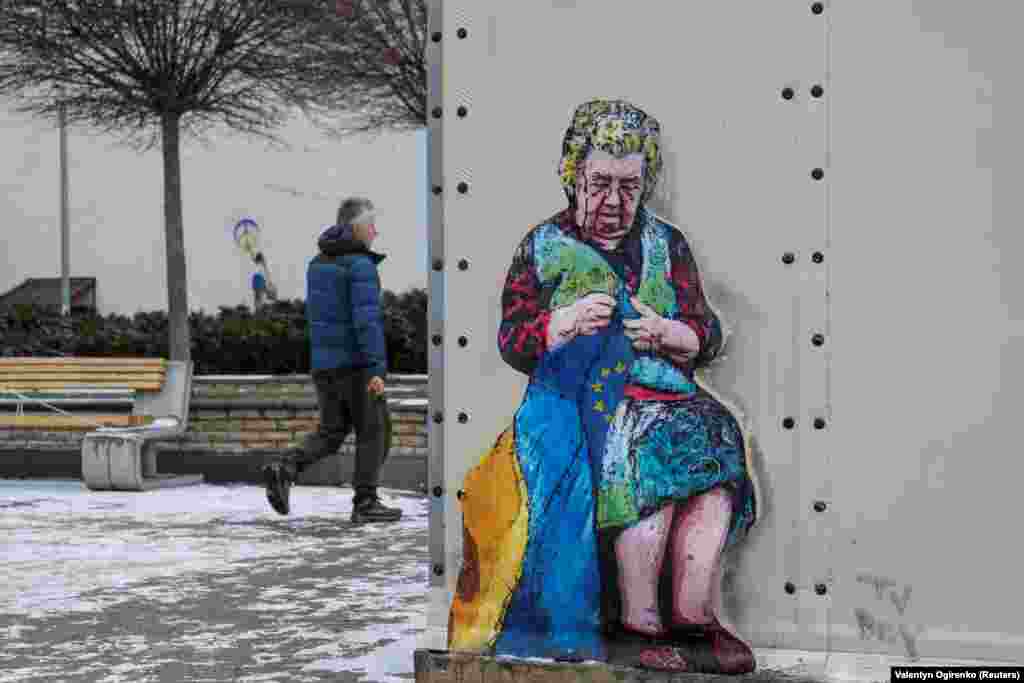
(238, 414)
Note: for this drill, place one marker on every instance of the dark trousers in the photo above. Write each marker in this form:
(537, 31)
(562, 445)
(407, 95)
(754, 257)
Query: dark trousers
(345, 405)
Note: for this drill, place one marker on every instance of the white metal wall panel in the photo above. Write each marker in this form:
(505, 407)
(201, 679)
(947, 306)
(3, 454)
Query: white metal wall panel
(901, 423)
(439, 496)
(926, 341)
(737, 181)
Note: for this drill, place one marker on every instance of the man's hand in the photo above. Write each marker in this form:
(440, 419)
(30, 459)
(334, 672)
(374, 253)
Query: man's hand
(375, 387)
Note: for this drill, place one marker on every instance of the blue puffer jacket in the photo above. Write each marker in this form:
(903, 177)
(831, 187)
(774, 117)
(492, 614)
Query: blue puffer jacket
(346, 327)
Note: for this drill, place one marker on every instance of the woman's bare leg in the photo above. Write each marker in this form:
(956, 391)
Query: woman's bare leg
(698, 539)
(640, 553)
(696, 544)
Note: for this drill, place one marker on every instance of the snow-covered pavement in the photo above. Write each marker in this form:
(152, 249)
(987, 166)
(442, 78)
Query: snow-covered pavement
(206, 583)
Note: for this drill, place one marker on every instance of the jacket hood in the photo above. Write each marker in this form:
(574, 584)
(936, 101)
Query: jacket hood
(338, 240)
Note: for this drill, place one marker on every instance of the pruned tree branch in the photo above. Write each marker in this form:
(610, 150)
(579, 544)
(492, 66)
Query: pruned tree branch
(376, 60)
(246, 64)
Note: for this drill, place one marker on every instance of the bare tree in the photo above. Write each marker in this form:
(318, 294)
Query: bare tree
(159, 68)
(376, 63)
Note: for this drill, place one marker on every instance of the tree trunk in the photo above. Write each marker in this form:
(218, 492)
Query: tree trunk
(177, 281)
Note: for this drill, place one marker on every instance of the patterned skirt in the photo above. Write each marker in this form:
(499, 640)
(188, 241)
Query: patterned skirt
(659, 452)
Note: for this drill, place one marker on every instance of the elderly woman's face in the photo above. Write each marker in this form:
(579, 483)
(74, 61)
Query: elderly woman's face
(608, 192)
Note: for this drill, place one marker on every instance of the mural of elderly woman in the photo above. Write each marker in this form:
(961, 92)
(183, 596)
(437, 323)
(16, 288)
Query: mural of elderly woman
(602, 307)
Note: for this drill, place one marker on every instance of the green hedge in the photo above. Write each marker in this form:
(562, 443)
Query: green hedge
(272, 340)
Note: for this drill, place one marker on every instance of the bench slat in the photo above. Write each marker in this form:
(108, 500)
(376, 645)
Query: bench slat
(21, 387)
(81, 370)
(70, 361)
(13, 378)
(77, 392)
(64, 404)
(62, 422)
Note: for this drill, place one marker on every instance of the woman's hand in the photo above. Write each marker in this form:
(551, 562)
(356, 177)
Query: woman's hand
(586, 316)
(646, 331)
(651, 332)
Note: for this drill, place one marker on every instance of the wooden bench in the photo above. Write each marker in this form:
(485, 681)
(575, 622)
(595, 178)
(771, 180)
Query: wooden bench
(119, 450)
(73, 385)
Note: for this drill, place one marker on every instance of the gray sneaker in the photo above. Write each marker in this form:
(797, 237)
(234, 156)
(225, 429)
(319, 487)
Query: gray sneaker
(370, 509)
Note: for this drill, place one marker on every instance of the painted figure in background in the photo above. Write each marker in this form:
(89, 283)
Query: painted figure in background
(263, 287)
(594, 527)
(246, 234)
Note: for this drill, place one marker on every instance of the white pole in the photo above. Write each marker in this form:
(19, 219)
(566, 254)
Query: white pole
(65, 250)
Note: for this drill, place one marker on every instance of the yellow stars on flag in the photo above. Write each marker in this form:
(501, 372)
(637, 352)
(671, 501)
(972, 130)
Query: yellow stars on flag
(598, 387)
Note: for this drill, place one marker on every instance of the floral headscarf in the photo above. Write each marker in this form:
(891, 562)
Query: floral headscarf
(616, 127)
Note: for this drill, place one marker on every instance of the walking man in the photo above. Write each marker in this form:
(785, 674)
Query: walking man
(349, 363)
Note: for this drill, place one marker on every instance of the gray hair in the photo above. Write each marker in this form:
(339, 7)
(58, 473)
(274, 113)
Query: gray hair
(355, 210)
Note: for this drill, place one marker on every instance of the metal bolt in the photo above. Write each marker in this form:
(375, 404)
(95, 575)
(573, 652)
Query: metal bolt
(438, 491)
(789, 423)
(819, 423)
(436, 36)
(818, 8)
(818, 339)
(462, 33)
(818, 257)
(436, 112)
(438, 417)
(463, 187)
(817, 91)
(463, 264)
(460, 494)
(438, 264)
(790, 588)
(462, 112)
(437, 339)
(463, 418)
(820, 588)
(788, 258)
(819, 506)
(787, 93)
(463, 342)
(437, 189)
(439, 569)
(818, 174)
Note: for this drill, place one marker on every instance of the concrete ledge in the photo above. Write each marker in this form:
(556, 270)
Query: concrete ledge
(404, 472)
(441, 666)
(409, 405)
(250, 403)
(404, 380)
(235, 449)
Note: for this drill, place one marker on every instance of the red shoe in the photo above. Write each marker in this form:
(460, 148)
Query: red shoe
(668, 659)
(627, 647)
(732, 656)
